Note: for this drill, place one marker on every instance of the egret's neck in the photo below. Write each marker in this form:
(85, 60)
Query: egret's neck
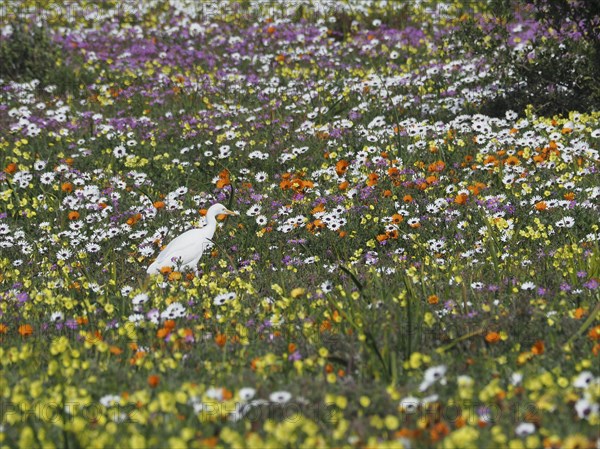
(211, 224)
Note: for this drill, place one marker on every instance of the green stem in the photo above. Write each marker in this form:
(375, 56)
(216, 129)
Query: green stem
(353, 277)
(443, 349)
(590, 319)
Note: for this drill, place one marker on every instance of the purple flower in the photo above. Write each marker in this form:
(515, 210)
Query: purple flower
(294, 356)
(71, 324)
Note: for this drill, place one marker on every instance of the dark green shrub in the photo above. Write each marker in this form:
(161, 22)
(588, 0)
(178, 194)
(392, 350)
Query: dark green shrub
(582, 16)
(559, 73)
(27, 53)
(30, 53)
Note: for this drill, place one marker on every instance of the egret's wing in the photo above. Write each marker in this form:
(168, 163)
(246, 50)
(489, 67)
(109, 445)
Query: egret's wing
(187, 247)
(180, 247)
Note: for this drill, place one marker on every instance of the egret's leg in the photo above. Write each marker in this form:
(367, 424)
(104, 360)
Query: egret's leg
(194, 266)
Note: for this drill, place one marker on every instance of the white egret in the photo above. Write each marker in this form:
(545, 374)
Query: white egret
(185, 250)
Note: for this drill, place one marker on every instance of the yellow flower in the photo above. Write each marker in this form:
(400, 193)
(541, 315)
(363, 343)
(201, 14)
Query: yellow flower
(176, 443)
(297, 292)
(576, 441)
(137, 440)
(59, 345)
(341, 402)
(36, 389)
(415, 360)
(166, 401)
(391, 422)
(516, 444)
(26, 438)
(465, 437)
(532, 442)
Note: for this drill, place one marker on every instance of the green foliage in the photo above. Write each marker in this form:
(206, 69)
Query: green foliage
(27, 53)
(583, 15)
(559, 72)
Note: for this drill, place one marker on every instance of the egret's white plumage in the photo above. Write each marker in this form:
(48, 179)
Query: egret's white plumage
(186, 250)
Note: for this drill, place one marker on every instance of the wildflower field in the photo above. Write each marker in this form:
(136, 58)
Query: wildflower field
(416, 259)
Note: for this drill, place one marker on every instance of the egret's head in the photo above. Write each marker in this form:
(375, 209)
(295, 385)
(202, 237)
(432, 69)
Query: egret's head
(219, 209)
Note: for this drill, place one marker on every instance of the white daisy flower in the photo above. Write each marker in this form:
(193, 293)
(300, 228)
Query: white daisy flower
(433, 375)
(586, 409)
(140, 299)
(254, 210)
(409, 404)
(247, 393)
(524, 429)
(527, 286)
(280, 397)
(583, 380)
